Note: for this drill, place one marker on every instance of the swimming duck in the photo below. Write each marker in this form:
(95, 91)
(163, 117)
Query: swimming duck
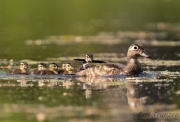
(53, 70)
(88, 61)
(23, 69)
(67, 68)
(132, 68)
(41, 66)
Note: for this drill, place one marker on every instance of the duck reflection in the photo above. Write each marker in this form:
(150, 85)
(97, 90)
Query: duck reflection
(68, 83)
(98, 82)
(138, 95)
(143, 94)
(135, 94)
(88, 92)
(95, 84)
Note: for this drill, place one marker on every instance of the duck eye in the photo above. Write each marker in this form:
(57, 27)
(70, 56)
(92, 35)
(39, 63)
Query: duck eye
(135, 47)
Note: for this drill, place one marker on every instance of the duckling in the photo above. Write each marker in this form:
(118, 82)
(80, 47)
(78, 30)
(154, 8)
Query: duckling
(53, 70)
(89, 58)
(67, 68)
(88, 61)
(132, 68)
(23, 69)
(41, 66)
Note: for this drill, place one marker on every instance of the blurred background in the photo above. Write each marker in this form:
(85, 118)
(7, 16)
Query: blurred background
(24, 24)
(60, 30)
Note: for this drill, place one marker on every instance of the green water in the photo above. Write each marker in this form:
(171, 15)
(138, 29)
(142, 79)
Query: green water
(23, 20)
(97, 24)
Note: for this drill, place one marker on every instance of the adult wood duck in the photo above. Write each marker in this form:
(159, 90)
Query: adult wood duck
(132, 68)
(67, 68)
(88, 61)
(41, 66)
(53, 70)
(23, 69)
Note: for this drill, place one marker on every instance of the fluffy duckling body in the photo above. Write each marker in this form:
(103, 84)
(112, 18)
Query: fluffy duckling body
(23, 69)
(53, 70)
(67, 68)
(132, 68)
(41, 66)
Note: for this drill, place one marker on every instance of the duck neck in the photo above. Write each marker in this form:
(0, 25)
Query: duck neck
(133, 68)
(132, 60)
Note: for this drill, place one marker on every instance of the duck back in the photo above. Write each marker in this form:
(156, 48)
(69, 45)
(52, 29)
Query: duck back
(100, 70)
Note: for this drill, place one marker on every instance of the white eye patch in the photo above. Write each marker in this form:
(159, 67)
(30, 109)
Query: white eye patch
(134, 47)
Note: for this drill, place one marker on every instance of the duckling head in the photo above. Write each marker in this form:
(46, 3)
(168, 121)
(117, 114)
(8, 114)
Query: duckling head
(135, 51)
(41, 66)
(68, 67)
(24, 67)
(53, 67)
(89, 57)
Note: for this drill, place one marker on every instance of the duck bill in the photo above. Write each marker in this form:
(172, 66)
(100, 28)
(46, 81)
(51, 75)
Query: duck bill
(145, 55)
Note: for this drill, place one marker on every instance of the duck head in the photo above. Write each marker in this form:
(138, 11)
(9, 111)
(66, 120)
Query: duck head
(135, 51)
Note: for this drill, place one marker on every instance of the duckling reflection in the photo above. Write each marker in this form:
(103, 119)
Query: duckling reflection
(48, 82)
(23, 69)
(23, 83)
(68, 83)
